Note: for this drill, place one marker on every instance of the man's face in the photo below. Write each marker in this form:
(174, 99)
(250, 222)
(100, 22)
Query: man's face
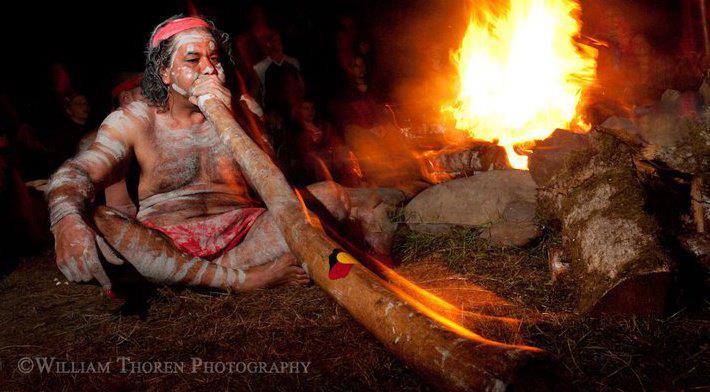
(358, 68)
(274, 46)
(128, 96)
(78, 108)
(195, 53)
(308, 111)
(125, 98)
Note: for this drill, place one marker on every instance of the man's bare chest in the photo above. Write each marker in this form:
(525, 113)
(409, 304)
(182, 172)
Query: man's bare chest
(174, 158)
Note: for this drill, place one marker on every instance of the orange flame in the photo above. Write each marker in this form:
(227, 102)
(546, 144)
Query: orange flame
(443, 312)
(521, 73)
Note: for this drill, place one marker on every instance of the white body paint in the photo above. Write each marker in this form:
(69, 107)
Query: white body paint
(179, 90)
(190, 37)
(253, 106)
(116, 148)
(204, 98)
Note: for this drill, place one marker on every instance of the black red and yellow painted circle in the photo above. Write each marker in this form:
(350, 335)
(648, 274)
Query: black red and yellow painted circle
(341, 262)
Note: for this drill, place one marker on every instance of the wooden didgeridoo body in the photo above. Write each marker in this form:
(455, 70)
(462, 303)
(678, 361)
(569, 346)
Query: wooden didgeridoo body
(451, 361)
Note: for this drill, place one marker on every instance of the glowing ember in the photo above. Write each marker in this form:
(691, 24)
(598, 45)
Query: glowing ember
(521, 74)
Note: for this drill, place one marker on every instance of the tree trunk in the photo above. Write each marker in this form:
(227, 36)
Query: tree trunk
(588, 184)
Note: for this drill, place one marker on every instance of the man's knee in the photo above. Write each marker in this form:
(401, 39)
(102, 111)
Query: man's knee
(113, 228)
(116, 227)
(108, 214)
(333, 196)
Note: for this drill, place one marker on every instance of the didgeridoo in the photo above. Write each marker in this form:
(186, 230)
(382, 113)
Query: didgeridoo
(448, 355)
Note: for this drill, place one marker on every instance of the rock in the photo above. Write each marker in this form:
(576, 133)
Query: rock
(500, 201)
(516, 227)
(670, 98)
(390, 196)
(677, 142)
(621, 124)
(613, 246)
(623, 129)
(550, 154)
(659, 127)
(676, 132)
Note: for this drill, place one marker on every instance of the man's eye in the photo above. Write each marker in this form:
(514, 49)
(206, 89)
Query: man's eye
(192, 60)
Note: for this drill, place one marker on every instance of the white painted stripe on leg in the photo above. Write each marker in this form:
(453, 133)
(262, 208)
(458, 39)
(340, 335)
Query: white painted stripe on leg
(180, 275)
(218, 277)
(198, 277)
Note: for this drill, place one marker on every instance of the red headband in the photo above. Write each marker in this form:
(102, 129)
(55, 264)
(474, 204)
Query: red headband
(177, 26)
(129, 84)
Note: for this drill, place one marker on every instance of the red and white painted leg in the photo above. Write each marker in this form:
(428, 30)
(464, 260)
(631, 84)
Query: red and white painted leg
(154, 257)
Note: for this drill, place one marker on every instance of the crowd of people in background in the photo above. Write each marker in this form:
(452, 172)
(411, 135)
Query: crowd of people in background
(345, 137)
(306, 139)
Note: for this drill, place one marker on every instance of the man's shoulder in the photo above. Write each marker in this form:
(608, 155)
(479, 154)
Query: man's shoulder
(141, 111)
(261, 67)
(263, 63)
(136, 115)
(293, 61)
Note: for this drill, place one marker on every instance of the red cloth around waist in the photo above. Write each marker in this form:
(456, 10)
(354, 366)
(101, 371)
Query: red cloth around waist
(212, 236)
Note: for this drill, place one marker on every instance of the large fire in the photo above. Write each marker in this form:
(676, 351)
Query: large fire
(521, 73)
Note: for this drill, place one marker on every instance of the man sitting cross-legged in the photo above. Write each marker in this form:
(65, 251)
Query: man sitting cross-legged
(197, 222)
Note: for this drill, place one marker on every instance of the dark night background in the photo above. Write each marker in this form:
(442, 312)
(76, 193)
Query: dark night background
(99, 39)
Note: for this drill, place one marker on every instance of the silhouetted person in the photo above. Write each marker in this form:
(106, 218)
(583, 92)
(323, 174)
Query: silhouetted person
(63, 141)
(322, 156)
(280, 76)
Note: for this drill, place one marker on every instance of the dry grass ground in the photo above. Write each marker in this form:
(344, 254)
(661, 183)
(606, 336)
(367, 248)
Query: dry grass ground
(77, 323)
(629, 354)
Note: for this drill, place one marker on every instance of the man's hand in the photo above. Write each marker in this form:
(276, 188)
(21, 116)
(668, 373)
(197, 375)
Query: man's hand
(77, 256)
(210, 87)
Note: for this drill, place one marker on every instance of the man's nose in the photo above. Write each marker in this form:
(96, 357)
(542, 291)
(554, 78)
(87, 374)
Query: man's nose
(207, 67)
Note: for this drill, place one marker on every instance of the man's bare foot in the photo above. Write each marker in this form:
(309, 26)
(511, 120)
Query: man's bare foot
(284, 270)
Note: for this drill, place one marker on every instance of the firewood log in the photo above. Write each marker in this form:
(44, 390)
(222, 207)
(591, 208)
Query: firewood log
(588, 184)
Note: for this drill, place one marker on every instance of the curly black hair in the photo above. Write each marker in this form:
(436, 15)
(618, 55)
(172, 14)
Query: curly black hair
(158, 57)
